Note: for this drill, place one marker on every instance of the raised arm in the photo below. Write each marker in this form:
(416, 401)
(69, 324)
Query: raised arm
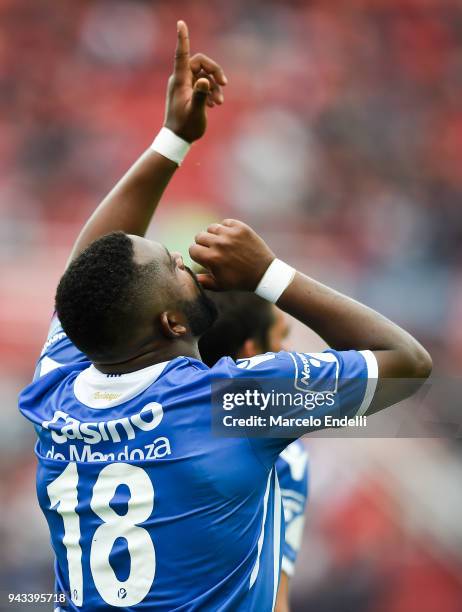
(196, 83)
(237, 258)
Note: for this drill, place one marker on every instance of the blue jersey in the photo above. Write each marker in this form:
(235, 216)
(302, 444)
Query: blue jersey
(147, 509)
(292, 472)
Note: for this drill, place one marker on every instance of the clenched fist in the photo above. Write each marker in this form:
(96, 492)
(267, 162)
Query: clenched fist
(234, 255)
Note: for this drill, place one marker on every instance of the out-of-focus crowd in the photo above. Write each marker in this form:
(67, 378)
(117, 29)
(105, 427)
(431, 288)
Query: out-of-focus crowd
(341, 141)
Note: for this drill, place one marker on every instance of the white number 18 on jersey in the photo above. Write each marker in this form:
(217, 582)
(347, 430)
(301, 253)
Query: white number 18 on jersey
(63, 498)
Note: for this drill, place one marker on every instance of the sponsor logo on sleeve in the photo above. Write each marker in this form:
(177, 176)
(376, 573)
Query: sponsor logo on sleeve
(315, 372)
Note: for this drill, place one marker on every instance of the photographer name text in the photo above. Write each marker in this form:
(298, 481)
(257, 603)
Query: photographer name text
(293, 422)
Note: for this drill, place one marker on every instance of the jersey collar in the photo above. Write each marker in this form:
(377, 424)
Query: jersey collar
(98, 390)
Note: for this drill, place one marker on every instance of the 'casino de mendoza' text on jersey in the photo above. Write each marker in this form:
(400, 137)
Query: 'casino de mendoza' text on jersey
(147, 509)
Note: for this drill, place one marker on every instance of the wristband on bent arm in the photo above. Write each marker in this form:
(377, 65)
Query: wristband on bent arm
(275, 281)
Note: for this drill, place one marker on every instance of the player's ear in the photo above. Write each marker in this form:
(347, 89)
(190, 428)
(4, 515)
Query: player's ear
(250, 348)
(173, 324)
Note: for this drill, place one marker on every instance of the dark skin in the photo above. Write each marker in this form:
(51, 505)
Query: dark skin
(161, 332)
(282, 599)
(234, 254)
(195, 85)
(275, 341)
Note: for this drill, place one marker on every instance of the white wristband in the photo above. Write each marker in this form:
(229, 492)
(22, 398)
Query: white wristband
(171, 146)
(275, 281)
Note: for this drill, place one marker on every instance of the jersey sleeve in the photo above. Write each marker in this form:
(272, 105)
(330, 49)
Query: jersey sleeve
(292, 468)
(57, 351)
(346, 379)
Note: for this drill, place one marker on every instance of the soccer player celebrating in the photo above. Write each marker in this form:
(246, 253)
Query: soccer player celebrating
(247, 326)
(147, 509)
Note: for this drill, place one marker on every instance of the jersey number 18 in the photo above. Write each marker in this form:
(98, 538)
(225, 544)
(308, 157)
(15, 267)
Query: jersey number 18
(62, 493)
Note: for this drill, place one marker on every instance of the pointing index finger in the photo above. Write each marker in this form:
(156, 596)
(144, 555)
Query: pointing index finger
(181, 65)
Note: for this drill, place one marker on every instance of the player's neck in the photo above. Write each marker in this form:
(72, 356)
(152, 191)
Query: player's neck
(151, 357)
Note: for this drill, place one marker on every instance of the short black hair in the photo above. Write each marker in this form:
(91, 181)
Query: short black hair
(241, 316)
(98, 295)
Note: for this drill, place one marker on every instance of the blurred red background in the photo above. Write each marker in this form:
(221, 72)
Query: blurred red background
(341, 141)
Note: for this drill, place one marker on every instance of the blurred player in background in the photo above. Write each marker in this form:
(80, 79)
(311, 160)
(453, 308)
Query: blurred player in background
(147, 510)
(247, 326)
